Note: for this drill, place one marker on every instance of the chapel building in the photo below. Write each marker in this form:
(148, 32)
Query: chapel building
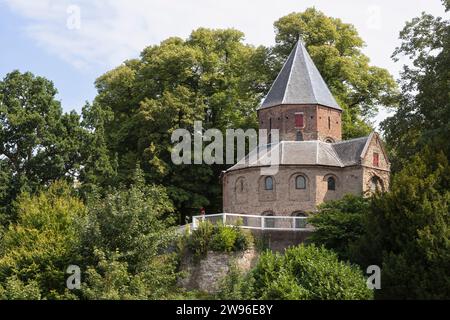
(315, 164)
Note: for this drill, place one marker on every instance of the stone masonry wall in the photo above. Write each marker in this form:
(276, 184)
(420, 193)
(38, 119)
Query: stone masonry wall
(205, 275)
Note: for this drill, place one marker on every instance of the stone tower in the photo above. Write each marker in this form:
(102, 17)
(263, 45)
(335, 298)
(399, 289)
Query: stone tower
(299, 104)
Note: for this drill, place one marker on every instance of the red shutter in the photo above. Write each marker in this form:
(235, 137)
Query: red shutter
(299, 123)
(376, 159)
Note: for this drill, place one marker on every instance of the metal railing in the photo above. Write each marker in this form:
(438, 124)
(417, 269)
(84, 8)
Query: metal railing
(255, 222)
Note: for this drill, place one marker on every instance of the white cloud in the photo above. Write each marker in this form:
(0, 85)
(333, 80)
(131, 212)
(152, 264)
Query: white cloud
(114, 30)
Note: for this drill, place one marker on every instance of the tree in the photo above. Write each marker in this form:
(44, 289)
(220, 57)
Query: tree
(423, 118)
(38, 143)
(36, 251)
(408, 232)
(335, 47)
(111, 279)
(339, 224)
(126, 243)
(211, 77)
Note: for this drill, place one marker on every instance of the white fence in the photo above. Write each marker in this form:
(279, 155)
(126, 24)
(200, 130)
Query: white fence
(255, 222)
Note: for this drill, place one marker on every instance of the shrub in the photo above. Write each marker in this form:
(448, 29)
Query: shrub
(223, 239)
(236, 285)
(339, 224)
(219, 238)
(308, 272)
(199, 241)
(244, 240)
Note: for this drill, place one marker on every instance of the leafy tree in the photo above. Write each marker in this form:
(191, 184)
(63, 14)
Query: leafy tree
(38, 143)
(36, 251)
(408, 233)
(423, 118)
(128, 234)
(111, 279)
(211, 77)
(308, 273)
(336, 49)
(339, 224)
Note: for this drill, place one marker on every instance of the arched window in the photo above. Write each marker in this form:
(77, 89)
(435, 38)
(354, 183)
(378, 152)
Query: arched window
(300, 223)
(300, 183)
(242, 185)
(269, 222)
(376, 184)
(329, 140)
(268, 182)
(331, 184)
(299, 136)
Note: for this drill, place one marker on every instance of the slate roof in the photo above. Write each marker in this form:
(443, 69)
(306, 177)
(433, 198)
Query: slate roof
(299, 82)
(341, 154)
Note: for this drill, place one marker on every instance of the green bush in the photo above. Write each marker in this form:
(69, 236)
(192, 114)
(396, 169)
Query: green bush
(236, 285)
(218, 238)
(244, 240)
(223, 239)
(308, 272)
(200, 238)
(339, 224)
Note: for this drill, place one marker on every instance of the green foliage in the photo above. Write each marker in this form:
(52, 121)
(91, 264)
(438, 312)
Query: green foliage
(200, 238)
(244, 240)
(212, 76)
(218, 238)
(223, 239)
(339, 224)
(336, 49)
(128, 234)
(111, 279)
(17, 290)
(308, 272)
(38, 143)
(236, 285)
(423, 118)
(407, 231)
(37, 249)
(135, 221)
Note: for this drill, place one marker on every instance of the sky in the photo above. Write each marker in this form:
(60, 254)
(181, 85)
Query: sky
(72, 42)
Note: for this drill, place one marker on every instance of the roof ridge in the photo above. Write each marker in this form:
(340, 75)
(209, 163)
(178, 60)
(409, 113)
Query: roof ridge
(290, 71)
(308, 72)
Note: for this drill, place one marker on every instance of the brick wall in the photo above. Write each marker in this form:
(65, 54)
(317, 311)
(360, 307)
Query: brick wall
(315, 122)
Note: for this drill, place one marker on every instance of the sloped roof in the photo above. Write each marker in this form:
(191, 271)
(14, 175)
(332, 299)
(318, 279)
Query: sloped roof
(299, 82)
(341, 154)
(350, 151)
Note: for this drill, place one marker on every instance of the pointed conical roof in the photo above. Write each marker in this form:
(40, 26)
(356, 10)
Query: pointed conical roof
(299, 82)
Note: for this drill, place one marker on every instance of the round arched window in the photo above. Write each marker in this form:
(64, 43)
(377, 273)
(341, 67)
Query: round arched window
(300, 183)
(331, 184)
(269, 183)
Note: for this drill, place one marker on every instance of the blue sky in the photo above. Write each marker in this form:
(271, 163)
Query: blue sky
(47, 38)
